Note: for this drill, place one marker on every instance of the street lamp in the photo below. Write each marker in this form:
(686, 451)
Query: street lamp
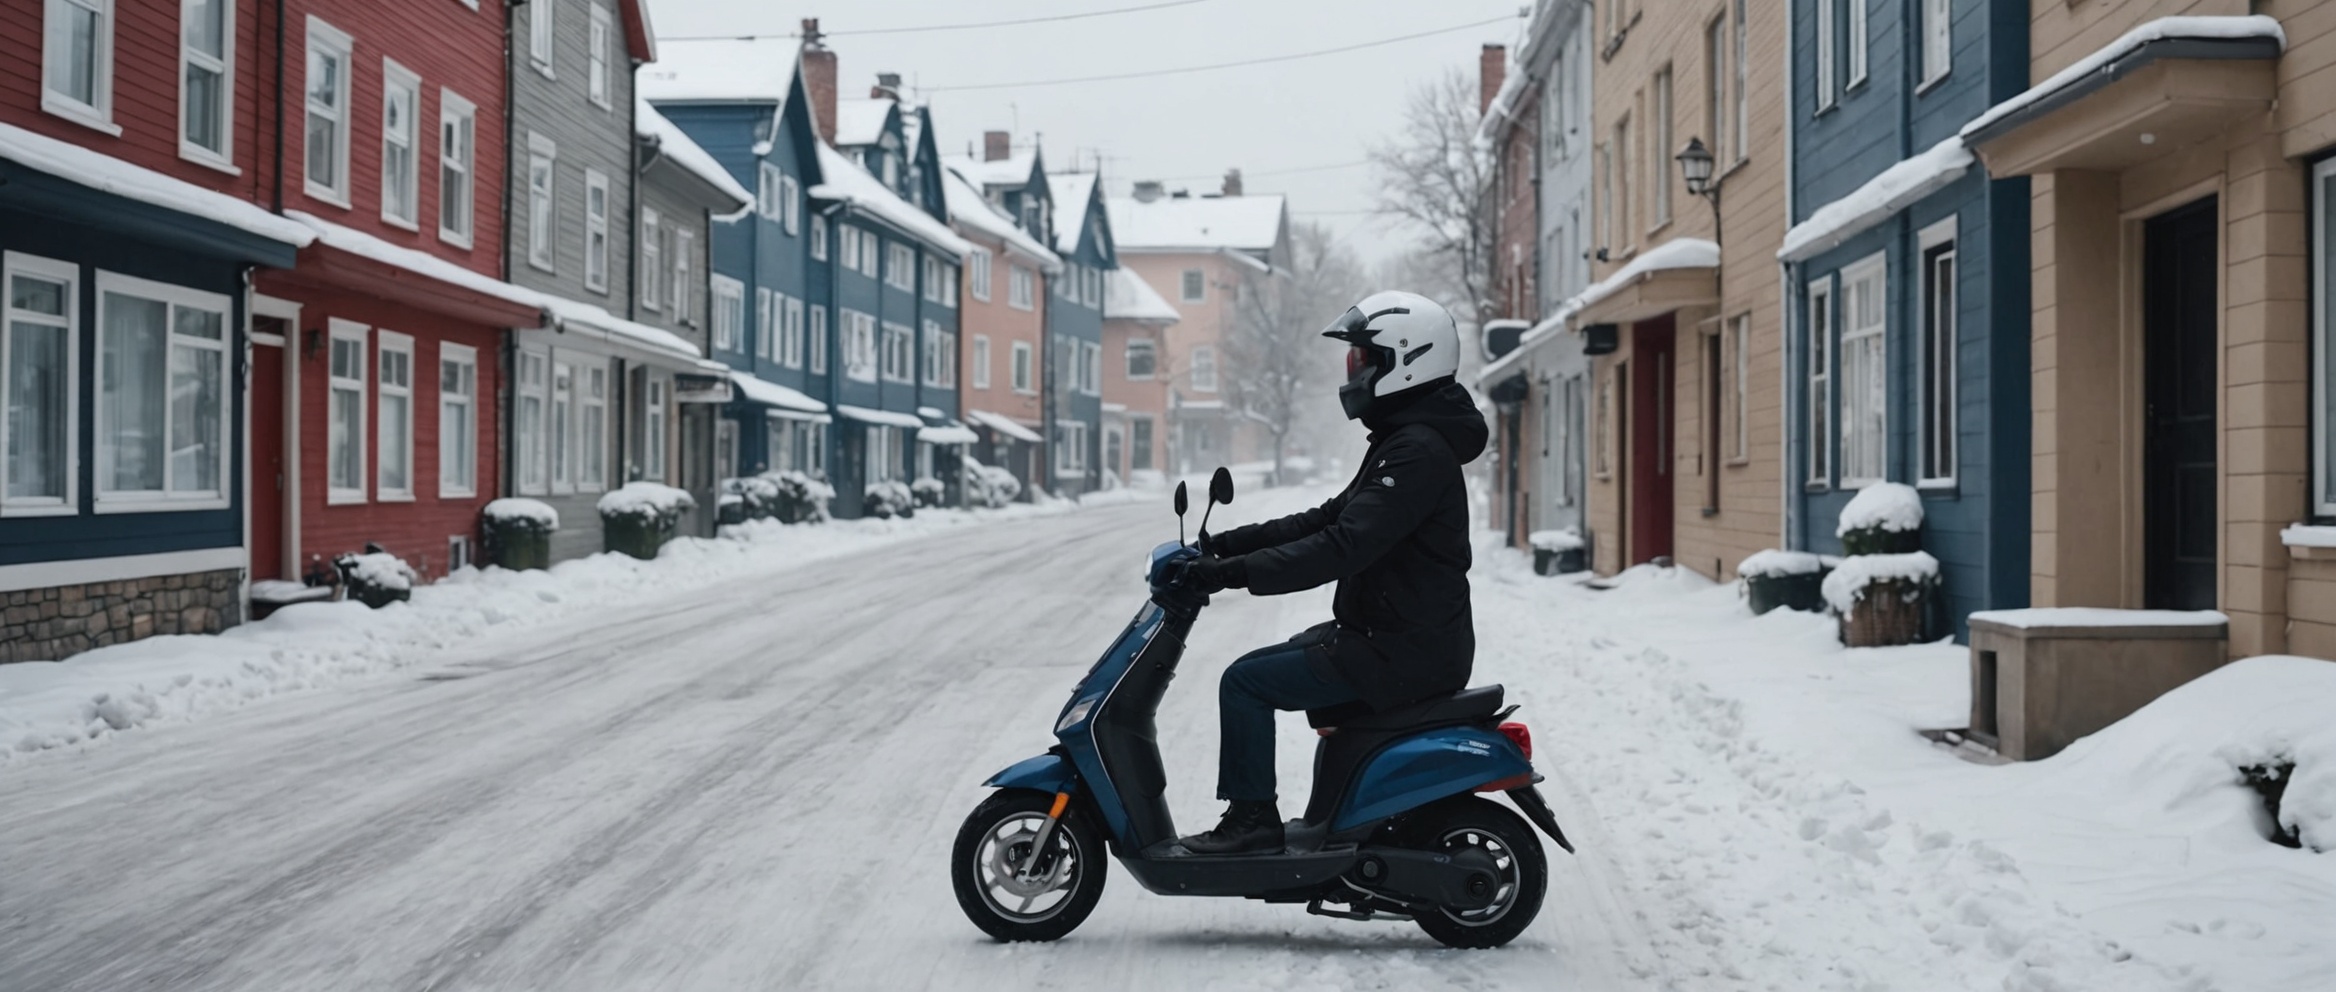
(1695, 164)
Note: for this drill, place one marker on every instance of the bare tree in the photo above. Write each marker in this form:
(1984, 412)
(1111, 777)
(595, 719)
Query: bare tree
(1433, 176)
(1275, 359)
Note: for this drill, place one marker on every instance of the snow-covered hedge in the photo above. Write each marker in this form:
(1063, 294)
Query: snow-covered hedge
(1555, 540)
(647, 502)
(928, 491)
(989, 486)
(801, 499)
(889, 499)
(522, 513)
(1912, 573)
(1772, 562)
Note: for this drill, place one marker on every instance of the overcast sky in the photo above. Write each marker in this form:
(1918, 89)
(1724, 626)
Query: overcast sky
(1185, 128)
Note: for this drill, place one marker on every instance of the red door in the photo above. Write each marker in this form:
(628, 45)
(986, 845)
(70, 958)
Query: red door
(268, 471)
(1651, 367)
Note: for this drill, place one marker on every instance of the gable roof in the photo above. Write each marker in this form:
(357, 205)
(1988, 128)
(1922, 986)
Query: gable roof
(862, 122)
(1249, 223)
(969, 209)
(844, 180)
(1071, 191)
(676, 147)
(722, 70)
(640, 38)
(1013, 170)
(1126, 296)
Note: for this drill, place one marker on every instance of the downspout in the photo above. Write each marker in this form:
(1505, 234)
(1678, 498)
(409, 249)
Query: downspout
(508, 384)
(1787, 311)
(276, 201)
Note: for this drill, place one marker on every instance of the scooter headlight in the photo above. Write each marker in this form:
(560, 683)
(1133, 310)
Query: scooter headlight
(1076, 713)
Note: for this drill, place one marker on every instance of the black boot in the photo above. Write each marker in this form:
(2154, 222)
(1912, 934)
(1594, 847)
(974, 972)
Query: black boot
(1249, 827)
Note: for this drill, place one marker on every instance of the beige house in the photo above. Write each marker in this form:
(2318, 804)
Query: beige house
(2181, 192)
(1686, 425)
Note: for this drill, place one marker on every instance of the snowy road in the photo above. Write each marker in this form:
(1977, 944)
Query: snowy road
(748, 788)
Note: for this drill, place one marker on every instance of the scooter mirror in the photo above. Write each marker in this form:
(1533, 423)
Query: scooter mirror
(1183, 502)
(1221, 486)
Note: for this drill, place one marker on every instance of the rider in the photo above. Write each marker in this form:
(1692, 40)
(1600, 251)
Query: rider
(1396, 542)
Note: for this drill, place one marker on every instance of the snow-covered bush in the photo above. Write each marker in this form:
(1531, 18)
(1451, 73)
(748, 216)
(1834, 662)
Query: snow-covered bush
(1883, 518)
(889, 499)
(797, 498)
(757, 496)
(928, 491)
(989, 486)
(377, 578)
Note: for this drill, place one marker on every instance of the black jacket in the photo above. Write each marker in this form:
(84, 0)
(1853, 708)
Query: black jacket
(1396, 542)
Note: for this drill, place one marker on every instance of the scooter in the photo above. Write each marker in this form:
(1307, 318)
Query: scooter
(1396, 828)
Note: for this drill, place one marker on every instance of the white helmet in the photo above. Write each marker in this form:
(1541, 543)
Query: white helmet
(1397, 343)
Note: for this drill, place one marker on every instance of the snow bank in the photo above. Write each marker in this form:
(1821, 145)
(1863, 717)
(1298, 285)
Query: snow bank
(534, 512)
(1894, 189)
(2250, 26)
(2085, 616)
(381, 570)
(1772, 562)
(1554, 540)
(646, 499)
(1890, 506)
(1847, 584)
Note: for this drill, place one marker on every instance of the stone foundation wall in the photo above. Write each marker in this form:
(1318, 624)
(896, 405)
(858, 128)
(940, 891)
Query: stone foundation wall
(58, 621)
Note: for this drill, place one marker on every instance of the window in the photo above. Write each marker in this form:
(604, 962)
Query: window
(768, 192)
(542, 157)
(457, 552)
(1820, 351)
(534, 458)
(791, 339)
(1022, 367)
(900, 346)
(206, 97)
(2323, 342)
(458, 421)
(1091, 365)
(884, 453)
(977, 274)
(401, 100)
(77, 62)
(729, 312)
(1605, 196)
(1716, 78)
(940, 356)
(539, 34)
(1660, 158)
(900, 270)
(870, 248)
(596, 75)
(1195, 285)
(1019, 287)
(1864, 373)
(563, 427)
(819, 237)
(1606, 421)
(1553, 105)
(981, 361)
(1066, 284)
(1139, 442)
(762, 322)
(1743, 94)
(818, 339)
(1204, 369)
(1936, 399)
(652, 259)
(1091, 287)
(457, 122)
(1622, 167)
(595, 230)
(1938, 39)
(393, 423)
(1740, 346)
(592, 429)
(685, 261)
(162, 405)
(1856, 63)
(940, 282)
(39, 387)
(850, 238)
(345, 417)
(791, 206)
(1070, 447)
(726, 446)
(327, 137)
(1826, 43)
(1143, 357)
(859, 345)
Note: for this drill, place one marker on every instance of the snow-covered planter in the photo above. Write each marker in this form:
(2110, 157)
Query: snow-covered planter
(989, 486)
(928, 492)
(519, 532)
(376, 578)
(885, 500)
(1556, 552)
(638, 519)
(1883, 519)
(1882, 599)
(1792, 579)
(797, 498)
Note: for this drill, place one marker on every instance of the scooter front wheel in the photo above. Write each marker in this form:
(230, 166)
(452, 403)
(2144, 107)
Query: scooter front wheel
(1012, 888)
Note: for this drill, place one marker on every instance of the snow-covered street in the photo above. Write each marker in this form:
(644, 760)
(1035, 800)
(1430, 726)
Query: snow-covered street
(754, 784)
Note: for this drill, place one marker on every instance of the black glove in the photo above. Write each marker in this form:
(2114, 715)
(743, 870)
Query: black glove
(1210, 544)
(1209, 575)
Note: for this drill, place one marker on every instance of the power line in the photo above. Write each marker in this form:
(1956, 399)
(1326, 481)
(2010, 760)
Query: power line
(1220, 65)
(941, 27)
(1269, 172)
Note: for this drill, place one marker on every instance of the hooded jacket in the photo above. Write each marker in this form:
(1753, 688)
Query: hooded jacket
(1396, 542)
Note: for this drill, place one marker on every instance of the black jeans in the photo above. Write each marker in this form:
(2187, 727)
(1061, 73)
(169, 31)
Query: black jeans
(1267, 679)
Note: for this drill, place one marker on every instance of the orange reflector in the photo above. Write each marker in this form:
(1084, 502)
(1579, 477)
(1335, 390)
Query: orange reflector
(1061, 799)
(1504, 785)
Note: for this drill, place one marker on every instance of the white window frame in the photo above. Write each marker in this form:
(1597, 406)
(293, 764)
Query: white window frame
(654, 400)
(1827, 41)
(98, 112)
(335, 43)
(463, 485)
(1740, 343)
(871, 252)
(1938, 336)
(457, 159)
(1865, 433)
(542, 35)
(1855, 57)
(763, 308)
(1193, 286)
(176, 298)
(684, 288)
(532, 380)
(1659, 163)
(900, 266)
(859, 330)
(768, 180)
(729, 316)
(848, 243)
(597, 82)
(817, 346)
(1021, 287)
(1022, 371)
(592, 459)
(899, 353)
(1204, 369)
(819, 237)
(189, 58)
(978, 274)
(13, 264)
(385, 343)
(1148, 346)
(543, 198)
(652, 260)
(1820, 321)
(560, 423)
(791, 206)
(2321, 201)
(1938, 42)
(396, 78)
(596, 232)
(981, 361)
(1091, 356)
(358, 434)
(1742, 67)
(791, 332)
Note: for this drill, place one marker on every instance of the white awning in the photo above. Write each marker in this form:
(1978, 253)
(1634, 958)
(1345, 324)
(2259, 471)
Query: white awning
(1004, 425)
(947, 435)
(886, 418)
(769, 393)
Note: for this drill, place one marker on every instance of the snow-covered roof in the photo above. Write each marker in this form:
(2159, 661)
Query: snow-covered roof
(848, 182)
(571, 313)
(1003, 424)
(1071, 191)
(1894, 189)
(1013, 170)
(108, 174)
(952, 434)
(768, 393)
(423, 263)
(861, 122)
(1126, 296)
(887, 418)
(969, 208)
(1677, 253)
(1498, 113)
(724, 70)
(1527, 341)
(675, 144)
(2161, 29)
(1251, 223)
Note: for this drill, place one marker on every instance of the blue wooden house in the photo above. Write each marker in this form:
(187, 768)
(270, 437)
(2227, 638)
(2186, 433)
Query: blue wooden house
(1073, 387)
(1907, 352)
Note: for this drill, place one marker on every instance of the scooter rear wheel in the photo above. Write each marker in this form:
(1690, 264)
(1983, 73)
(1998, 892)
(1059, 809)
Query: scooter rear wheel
(1521, 871)
(996, 843)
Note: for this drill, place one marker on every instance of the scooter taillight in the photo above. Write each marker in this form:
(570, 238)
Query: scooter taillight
(1524, 738)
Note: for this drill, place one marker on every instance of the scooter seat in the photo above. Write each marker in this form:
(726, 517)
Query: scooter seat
(1459, 707)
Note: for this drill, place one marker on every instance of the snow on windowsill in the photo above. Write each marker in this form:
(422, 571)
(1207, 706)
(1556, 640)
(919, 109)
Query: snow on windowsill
(2161, 29)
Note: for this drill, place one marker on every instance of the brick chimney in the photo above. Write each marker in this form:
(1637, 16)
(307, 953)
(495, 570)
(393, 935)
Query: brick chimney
(1492, 69)
(1232, 182)
(819, 79)
(996, 146)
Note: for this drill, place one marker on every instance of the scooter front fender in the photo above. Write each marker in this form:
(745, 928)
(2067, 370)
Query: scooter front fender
(1049, 772)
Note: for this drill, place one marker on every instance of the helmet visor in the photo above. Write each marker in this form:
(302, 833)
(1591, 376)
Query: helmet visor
(1349, 326)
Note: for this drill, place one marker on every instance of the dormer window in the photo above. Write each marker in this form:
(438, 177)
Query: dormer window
(891, 172)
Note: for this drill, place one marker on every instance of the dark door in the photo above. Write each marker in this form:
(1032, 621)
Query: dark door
(2179, 479)
(1651, 361)
(269, 480)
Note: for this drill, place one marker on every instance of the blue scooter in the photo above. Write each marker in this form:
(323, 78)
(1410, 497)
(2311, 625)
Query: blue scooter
(1395, 828)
